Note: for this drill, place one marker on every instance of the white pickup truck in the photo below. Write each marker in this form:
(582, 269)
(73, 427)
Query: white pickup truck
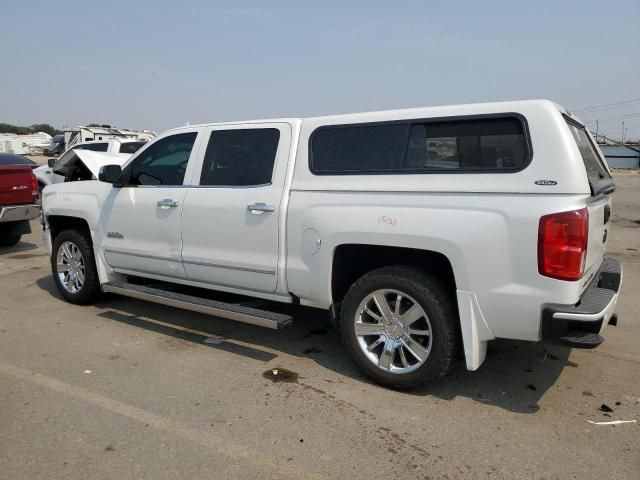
(420, 230)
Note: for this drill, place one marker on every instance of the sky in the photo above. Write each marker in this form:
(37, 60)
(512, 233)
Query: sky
(158, 64)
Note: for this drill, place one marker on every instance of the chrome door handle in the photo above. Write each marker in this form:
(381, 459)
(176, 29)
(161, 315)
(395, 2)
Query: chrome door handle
(167, 202)
(259, 208)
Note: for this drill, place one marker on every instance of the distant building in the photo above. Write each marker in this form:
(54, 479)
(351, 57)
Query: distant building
(622, 156)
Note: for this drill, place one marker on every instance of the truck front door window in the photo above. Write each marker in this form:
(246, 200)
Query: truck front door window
(164, 162)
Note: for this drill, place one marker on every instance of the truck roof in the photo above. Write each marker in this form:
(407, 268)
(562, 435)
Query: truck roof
(431, 111)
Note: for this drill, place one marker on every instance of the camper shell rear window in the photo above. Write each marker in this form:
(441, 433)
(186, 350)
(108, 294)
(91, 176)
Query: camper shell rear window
(600, 180)
(592, 160)
(473, 144)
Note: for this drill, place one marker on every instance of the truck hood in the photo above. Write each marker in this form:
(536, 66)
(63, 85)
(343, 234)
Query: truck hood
(95, 160)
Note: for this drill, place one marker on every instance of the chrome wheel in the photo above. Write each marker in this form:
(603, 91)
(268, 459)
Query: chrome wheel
(393, 331)
(70, 267)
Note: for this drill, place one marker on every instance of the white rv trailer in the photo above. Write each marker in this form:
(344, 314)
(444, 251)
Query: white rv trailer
(24, 144)
(75, 135)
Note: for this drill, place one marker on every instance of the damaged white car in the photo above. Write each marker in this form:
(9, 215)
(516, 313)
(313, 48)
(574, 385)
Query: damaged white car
(76, 165)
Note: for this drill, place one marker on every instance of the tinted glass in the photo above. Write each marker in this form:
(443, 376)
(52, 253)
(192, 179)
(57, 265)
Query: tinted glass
(240, 157)
(131, 147)
(489, 144)
(12, 159)
(592, 162)
(94, 147)
(366, 148)
(164, 162)
(418, 147)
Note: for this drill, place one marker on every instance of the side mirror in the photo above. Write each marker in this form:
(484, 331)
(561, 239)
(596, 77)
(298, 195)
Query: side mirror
(110, 173)
(51, 162)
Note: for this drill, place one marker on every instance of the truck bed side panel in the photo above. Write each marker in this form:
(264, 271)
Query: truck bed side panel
(490, 240)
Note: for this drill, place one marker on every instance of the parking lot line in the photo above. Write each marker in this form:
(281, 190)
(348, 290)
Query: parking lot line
(213, 443)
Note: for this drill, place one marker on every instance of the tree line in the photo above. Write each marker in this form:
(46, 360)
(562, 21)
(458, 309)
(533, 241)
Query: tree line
(35, 128)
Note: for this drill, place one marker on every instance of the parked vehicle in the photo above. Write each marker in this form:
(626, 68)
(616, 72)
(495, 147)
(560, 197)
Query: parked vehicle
(418, 230)
(47, 175)
(19, 198)
(75, 135)
(56, 147)
(13, 159)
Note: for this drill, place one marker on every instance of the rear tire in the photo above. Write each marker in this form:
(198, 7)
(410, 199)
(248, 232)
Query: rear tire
(74, 268)
(410, 342)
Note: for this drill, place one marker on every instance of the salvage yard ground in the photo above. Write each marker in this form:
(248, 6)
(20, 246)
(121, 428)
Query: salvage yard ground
(127, 389)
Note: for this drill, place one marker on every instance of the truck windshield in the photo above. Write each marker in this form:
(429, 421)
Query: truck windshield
(596, 170)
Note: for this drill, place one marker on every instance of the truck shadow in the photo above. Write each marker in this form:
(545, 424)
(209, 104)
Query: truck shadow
(18, 247)
(514, 376)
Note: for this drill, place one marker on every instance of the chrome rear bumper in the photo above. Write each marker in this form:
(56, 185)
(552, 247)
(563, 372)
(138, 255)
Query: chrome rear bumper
(16, 213)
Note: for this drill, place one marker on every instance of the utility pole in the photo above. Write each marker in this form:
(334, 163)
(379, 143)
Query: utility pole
(622, 132)
(597, 124)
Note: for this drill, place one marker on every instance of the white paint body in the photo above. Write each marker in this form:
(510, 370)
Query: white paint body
(485, 224)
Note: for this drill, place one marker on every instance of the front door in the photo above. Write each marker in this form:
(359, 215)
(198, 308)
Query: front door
(230, 219)
(140, 221)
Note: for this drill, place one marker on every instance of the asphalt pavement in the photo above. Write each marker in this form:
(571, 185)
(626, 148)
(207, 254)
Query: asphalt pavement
(126, 389)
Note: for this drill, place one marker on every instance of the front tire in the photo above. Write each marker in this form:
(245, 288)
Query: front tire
(400, 327)
(73, 267)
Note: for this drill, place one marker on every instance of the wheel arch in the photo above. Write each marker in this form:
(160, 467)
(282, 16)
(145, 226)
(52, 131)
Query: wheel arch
(351, 261)
(59, 223)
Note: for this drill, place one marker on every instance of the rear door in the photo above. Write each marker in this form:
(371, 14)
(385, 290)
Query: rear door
(230, 218)
(599, 205)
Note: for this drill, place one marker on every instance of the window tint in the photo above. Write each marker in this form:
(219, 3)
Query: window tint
(164, 162)
(131, 147)
(490, 144)
(12, 159)
(359, 148)
(592, 162)
(94, 147)
(240, 157)
(418, 147)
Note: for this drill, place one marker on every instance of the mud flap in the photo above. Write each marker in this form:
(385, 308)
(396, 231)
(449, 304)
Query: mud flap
(475, 331)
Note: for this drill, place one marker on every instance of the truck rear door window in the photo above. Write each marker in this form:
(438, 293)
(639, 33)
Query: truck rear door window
(240, 157)
(466, 145)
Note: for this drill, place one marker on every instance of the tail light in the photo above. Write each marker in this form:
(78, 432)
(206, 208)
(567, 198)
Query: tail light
(562, 244)
(35, 192)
